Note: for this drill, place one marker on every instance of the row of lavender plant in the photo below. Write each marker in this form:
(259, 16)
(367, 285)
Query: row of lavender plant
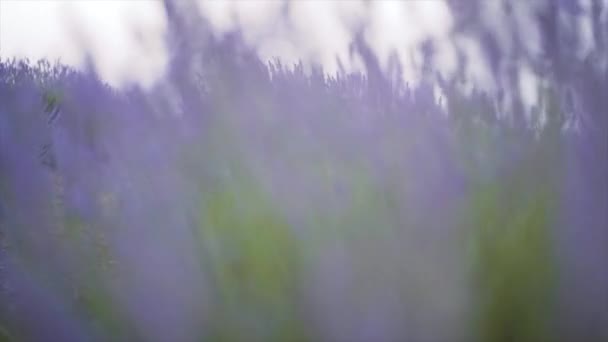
(253, 201)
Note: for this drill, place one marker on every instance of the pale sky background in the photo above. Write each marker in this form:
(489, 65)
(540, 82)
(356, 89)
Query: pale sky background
(311, 31)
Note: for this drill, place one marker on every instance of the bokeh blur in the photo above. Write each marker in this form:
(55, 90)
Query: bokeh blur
(395, 172)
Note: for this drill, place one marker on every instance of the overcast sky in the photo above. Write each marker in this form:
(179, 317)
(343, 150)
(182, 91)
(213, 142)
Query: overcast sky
(314, 31)
(126, 39)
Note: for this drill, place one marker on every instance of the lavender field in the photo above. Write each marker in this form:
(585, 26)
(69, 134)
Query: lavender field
(244, 199)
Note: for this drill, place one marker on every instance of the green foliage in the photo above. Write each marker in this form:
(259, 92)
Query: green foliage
(252, 254)
(89, 289)
(5, 335)
(513, 264)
